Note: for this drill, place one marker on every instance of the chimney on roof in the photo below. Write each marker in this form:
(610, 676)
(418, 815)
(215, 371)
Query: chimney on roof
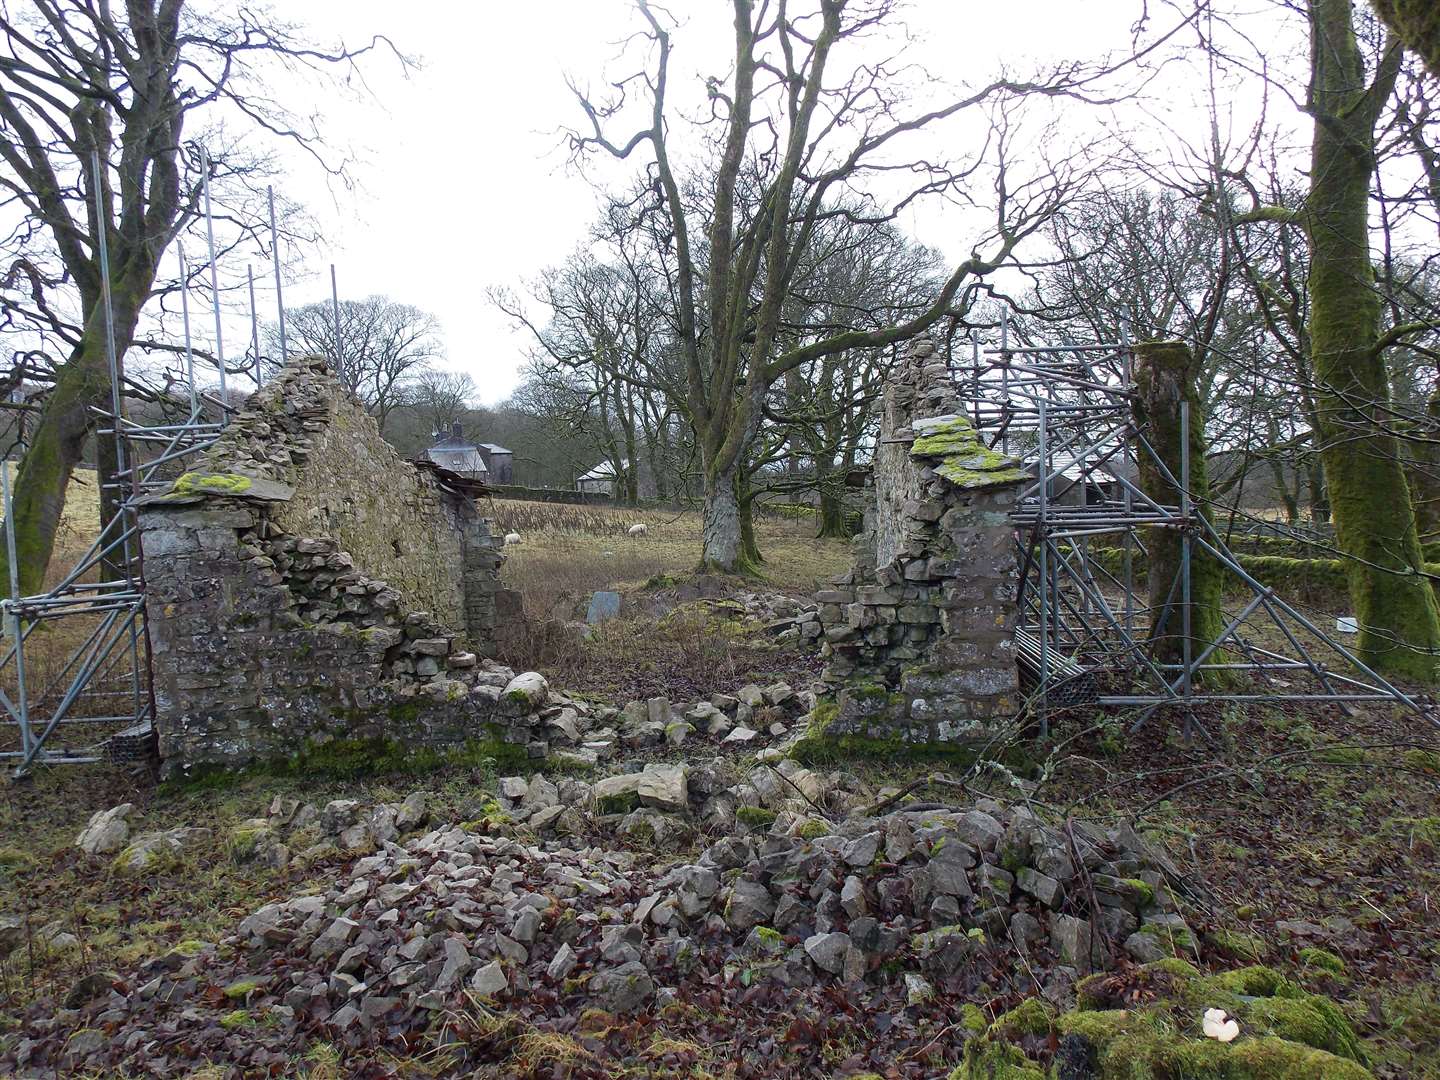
(455, 430)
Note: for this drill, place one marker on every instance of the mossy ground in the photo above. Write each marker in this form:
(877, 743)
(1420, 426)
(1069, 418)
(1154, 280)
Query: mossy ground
(1146, 1025)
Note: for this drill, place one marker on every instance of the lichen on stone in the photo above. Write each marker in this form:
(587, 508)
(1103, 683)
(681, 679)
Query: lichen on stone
(965, 461)
(195, 483)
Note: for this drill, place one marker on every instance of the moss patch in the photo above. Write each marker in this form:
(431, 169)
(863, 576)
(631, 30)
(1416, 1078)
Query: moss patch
(755, 817)
(194, 483)
(1284, 1032)
(965, 461)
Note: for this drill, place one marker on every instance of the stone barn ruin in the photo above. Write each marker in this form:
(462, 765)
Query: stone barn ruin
(304, 584)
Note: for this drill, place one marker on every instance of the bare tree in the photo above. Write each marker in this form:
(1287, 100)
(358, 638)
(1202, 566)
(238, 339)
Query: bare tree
(381, 348)
(442, 398)
(78, 79)
(792, 136)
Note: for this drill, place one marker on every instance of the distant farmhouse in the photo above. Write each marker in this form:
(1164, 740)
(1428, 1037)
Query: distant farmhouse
(480, 461)
(598, 481)
(601, 480)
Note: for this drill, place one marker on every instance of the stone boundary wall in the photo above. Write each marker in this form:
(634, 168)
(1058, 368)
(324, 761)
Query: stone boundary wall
(918, 634)
(274, 621)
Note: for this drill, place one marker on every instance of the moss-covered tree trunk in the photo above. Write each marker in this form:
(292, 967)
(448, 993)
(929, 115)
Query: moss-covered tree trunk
(1417, 24)
(1369, 498)
(1164, 379)
(831, 492)
(58, 440)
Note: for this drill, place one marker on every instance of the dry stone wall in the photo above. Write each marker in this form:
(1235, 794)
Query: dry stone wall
(305, 584)
(918, 634)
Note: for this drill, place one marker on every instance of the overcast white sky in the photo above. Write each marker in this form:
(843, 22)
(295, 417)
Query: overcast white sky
(463, 181)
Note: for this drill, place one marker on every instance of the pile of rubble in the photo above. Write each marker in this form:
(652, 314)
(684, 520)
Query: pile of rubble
(578, 734)
(922, 899)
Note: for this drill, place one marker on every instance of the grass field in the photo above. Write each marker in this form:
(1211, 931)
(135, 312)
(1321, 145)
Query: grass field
(567, 552)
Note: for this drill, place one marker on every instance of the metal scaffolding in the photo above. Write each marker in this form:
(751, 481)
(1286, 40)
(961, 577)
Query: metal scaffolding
(89, 697)
(1082, 633)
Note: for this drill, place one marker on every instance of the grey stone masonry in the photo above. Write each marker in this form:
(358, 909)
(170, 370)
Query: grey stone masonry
(918, 634)
(304, 583)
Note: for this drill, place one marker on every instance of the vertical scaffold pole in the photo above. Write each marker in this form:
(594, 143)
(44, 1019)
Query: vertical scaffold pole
(1042, 535)
(12, 619)
(1187, 653)
(254, 325)
(275, 258)
(214, 277)
(335, 311)
(185, 322)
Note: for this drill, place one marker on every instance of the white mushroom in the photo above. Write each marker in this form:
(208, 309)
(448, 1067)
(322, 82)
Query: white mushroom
(512, 539)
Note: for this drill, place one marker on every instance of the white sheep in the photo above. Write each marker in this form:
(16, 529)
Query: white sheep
(637, 530)
(512, 539)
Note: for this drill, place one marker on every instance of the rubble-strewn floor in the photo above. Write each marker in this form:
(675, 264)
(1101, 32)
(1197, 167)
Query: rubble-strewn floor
(663, 898)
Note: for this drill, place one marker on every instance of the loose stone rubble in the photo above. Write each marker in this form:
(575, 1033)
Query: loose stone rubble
(508, 905)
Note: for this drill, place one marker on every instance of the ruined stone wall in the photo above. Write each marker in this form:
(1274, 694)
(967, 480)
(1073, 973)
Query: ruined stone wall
(918, 634)
(304, 584)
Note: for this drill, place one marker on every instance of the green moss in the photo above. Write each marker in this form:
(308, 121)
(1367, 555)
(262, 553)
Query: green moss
(1175, 938)
(348, 758)
(1312, 1020)
(987, 1060)
(769, 935)
(1323, 959)
(1425, 761)
(1144, 892)
(194, 483)
(190, 947)
(755, 817)
(241, 988)
(1285, 1034)
(813, 829)
(620, 803)
(245, 839)
(1240, 945)
(973, 1019)
(239, 1018)
(1033, 1016)
(1254, 981)
(15, 859)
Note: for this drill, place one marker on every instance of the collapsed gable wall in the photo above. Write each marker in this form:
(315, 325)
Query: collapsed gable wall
(918, 634)
(271, 625)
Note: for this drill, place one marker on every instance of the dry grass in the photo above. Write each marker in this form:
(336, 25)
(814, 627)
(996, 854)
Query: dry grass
(568, 552)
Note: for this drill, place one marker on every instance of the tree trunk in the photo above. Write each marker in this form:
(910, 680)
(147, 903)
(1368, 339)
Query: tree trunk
(1374, 518)
(1277, 476)
(720, 527)
(831, 507)
(750, 557)
(1164, 378)
(1319, 497)
(82, 383)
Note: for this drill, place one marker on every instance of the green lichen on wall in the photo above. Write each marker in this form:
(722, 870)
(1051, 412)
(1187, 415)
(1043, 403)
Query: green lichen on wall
(195, 483)
(964, 460)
